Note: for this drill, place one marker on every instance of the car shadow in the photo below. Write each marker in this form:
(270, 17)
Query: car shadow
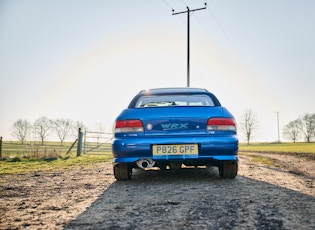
(196, 198)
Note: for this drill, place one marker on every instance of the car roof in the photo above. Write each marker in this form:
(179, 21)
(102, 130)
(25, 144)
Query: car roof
(174, 90)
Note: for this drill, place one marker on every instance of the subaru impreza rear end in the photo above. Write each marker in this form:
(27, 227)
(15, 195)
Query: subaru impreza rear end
(174, 127)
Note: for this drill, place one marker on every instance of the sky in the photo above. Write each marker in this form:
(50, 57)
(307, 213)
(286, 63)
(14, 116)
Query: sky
(85, 59)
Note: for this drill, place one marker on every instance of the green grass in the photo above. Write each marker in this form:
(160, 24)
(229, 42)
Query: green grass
(27, 158)
(278, 147)
(34, 149)
(34, 157)
(69, 162)
(262, 160)
(259, 159)
(295, 149)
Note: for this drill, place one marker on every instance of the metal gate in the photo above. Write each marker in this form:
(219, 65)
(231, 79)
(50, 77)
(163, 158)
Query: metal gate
(96, 142)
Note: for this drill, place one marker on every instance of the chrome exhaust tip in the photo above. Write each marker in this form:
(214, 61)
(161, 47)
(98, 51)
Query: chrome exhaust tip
(145, 163)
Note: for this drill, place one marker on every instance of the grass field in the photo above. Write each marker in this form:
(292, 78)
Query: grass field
(26, 166)
(278, 147)
(18, 158)
(295, 149)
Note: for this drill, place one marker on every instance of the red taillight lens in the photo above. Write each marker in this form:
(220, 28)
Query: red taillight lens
(221, 124)
(128, 126)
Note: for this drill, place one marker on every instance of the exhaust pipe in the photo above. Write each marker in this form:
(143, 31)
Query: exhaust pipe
(145, 163)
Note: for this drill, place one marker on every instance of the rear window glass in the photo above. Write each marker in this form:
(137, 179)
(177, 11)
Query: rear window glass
(174, 100)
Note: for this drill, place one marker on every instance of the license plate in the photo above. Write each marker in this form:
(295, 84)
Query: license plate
(175, 149)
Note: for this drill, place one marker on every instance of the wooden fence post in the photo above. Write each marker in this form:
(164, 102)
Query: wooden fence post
(79, 146)
(69, 150)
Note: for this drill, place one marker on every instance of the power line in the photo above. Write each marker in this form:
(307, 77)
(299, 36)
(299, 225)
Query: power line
(183, 2)
(172, 8)
(212, 15)
(167, 4)
(188, 11)
(206, 30)
(223, 31)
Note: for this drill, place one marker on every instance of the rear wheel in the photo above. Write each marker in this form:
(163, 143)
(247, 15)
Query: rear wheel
(228, 169)
(122, 172)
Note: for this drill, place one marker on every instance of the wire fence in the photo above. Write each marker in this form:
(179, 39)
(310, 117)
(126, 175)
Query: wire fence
(86, 142)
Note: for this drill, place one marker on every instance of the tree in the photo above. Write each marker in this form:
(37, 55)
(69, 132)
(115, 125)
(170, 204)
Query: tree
(63, 128)
(42, 127)
(292, 130)
(308, 126)
(21, 128)
(78, 125)
(248, 124)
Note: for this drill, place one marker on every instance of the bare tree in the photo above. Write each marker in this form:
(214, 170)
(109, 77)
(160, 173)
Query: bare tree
(76, 126)
(63, 128)
(308, 126)
(42, 126)
(21, 128)
(292, 130)
(248, 124)
(80, 124)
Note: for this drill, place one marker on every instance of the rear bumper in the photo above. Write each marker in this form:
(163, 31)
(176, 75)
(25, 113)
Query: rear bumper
(130, 150)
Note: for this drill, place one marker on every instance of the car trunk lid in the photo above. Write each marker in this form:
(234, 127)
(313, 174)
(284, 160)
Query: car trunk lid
(167, 121)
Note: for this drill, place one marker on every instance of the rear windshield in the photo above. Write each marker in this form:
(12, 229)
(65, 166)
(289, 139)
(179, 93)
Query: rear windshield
(174, 100)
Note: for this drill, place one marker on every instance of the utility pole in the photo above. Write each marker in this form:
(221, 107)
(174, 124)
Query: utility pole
(0, 148)
(188, 37)
(278, 127)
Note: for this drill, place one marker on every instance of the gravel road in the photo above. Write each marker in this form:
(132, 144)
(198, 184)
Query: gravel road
(281, 196)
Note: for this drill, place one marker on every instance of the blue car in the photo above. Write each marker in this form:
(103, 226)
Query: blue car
(170, 128)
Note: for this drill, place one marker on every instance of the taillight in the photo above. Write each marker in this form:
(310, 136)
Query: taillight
(221, 124)
(128, 126)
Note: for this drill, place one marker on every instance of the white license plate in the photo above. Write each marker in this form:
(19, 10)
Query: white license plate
(175, 149)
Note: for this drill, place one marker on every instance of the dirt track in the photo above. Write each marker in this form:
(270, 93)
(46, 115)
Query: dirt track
(261, 197)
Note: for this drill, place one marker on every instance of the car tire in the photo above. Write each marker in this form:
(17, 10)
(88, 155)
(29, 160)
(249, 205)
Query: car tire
(228, 169)
(122, 172)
